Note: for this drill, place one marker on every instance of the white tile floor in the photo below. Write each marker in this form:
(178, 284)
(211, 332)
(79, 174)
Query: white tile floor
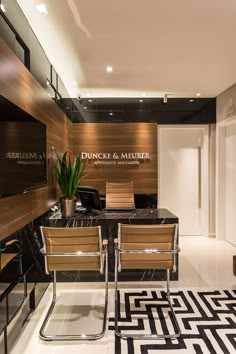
(204, 263)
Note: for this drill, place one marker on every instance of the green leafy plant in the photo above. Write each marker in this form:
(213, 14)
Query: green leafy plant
(68, 174)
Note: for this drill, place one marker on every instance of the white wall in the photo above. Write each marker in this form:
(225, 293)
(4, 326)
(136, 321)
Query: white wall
(225, 164)
(183, 175)
(230, 181)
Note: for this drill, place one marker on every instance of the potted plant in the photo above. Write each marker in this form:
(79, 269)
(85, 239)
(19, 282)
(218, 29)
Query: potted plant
(68, 177)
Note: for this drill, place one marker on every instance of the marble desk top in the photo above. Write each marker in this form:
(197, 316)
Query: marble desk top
(148, 215)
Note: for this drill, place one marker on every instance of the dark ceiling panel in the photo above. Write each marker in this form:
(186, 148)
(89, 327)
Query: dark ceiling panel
(174, 111)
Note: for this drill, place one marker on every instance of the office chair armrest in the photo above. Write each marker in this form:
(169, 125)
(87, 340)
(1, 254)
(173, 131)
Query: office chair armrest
(12, 246)
(66, 254)
(11, 242)
(175, 250)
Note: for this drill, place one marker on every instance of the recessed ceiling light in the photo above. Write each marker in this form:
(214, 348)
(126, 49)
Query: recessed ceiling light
(111, 114)
(90, 100)
(85, 107)
(198, 94)
(42, 8)
(2, 7)
(140, 100)
(109, 69)
(191, 100)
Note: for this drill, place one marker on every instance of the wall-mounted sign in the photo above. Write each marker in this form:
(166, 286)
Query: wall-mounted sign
(118, 152)
(26, 158)
(115, 158)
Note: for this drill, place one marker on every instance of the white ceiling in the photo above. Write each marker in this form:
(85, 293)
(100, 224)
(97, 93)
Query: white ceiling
(156, 47)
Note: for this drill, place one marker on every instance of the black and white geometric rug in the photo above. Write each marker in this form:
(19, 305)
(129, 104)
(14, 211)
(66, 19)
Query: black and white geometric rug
(207, 320)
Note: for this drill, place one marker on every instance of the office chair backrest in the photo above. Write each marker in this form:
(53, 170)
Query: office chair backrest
(72, 240)
(120, 195)
(147, 237)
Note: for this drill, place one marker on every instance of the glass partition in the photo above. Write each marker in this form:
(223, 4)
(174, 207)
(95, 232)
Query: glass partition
(17, 33)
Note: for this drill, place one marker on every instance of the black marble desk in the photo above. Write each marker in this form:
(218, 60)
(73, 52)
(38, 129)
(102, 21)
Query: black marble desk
(109, 222)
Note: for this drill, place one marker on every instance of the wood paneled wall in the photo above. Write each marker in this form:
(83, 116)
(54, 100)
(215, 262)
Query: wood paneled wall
(19, 86)
(119, 138)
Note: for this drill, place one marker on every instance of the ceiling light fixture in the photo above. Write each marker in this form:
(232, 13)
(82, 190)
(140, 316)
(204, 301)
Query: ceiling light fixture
(111, 114)
(42, 8)
(109, 69)
(198, 94)
(191, 100)
(140, 100)
(90, 100)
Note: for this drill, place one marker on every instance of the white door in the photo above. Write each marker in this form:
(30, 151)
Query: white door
(182, 176)
(230, 183)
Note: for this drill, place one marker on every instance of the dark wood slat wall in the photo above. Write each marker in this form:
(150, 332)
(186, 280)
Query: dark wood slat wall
(19, 86)
(118, 137)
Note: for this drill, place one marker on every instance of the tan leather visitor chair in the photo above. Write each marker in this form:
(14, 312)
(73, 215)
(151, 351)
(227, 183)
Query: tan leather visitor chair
(74, 248)
(120, 195)
(146, 247)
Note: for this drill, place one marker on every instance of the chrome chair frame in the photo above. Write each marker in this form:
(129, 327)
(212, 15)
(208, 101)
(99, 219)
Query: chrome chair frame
(118, 251)
(103, 253)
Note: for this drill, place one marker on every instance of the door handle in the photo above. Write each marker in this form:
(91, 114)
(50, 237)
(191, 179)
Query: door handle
(199, 178)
